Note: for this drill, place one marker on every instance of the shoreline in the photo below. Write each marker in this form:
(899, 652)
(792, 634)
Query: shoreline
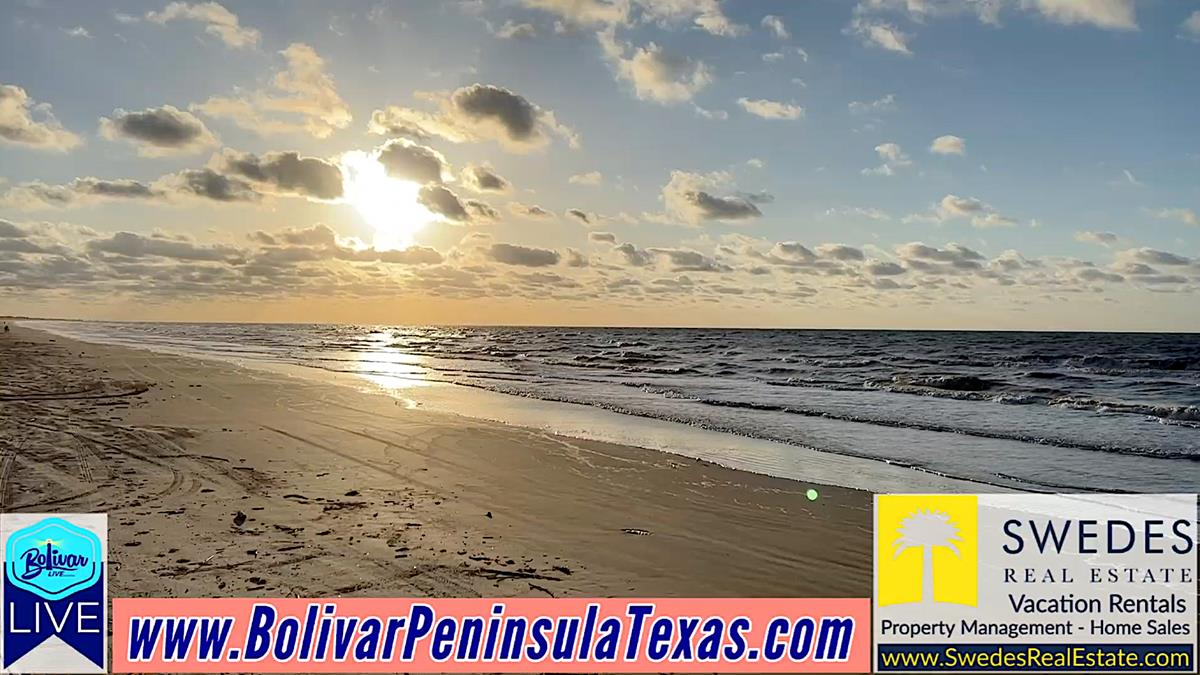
(593, 423)
(342, 491)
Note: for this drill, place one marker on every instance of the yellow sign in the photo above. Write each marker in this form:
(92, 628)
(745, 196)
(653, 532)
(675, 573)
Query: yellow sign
(927, 549)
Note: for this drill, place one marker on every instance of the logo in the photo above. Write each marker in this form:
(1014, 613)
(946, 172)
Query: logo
(1035, 582)
(53, 557)
(54, 594)
(927, 549)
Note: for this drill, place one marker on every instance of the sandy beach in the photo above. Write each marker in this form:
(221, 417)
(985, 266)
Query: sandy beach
(221, 481)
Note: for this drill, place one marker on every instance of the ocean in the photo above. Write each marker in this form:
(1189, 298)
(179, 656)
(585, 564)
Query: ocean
(1029, 411)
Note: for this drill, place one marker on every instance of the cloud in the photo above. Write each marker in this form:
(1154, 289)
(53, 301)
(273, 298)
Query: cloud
(1190, 28)
(18, 124)
(771, 110)
(589, 178)
(158, 132)
(78, 32)
(1101, 238)
(656, 75)
(410, 161)
(284, 173)
(304, 99)
(204, 184)
(688, 197)
(776, 26)
(582, 13)
(515, 31)
(476, 113)
(687, 260)
(883, 268)
(602, 237)
(1152, 256)
(704, 14)
(634, 256)
(442, 200)
(131, 245)
(1108, 14)
(217, 21)
(884, 104)
(894, 158)
(880, 34)
(981, 215)
(955, 258)
(529, 210)
(483, 178)
(840, 252)
(583, 217)
(1185, 216)
(511, 254)
(948, 145)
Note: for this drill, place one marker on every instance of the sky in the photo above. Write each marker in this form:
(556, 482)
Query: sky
(957, 164)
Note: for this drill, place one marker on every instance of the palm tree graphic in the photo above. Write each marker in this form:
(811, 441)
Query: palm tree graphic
(926, 529)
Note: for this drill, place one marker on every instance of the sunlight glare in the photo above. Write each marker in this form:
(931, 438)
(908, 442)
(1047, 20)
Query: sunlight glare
(388, 205)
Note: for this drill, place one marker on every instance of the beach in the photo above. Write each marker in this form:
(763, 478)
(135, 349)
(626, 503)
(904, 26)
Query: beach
(226, 481)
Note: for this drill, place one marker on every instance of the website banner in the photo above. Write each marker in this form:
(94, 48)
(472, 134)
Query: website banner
(1018, 582)
(491, 635)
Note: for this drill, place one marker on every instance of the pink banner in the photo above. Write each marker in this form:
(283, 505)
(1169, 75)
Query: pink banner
(660, 635)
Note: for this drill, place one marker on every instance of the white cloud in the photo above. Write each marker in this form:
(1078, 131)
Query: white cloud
(305, 100)
(948, 145)
(217, 21)
(1108, 14)
(1185, 216)
(78, 32)
(894, 158)
(880, 34)
(771, 110)
(776, 26)
(655, 74)
(589, 178)
(26, 122)
(1100, 238)
(1190, 28)
(880, 105)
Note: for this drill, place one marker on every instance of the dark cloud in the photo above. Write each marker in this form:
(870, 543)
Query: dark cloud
(530, 210)
(133, 245)
(474, 113)
(722, 208)
(483, 178)
(634, 256)
(407, 160)
(953, 258)
(840, 252)
(158, 131)
(480, 210)
(442, 200)
(581, 216)
(686, 260)
(884, 269)
(689, 197)
(208, 184)
(603, 237)
(284, 173)
(511, 254)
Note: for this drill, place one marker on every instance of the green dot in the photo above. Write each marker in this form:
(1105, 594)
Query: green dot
(812, 495)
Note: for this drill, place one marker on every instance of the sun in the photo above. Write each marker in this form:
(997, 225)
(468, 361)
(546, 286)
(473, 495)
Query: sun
(387, 204)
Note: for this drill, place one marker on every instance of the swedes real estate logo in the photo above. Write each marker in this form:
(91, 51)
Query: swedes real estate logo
(1019, 582)
(55, 594)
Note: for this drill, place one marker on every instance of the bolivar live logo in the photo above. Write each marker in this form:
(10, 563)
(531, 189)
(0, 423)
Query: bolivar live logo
(55, 594)
(1013, 582)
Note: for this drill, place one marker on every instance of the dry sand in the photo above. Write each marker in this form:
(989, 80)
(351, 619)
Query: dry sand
(222, 481)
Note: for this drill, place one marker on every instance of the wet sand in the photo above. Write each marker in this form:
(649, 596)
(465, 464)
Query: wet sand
(223, 481)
